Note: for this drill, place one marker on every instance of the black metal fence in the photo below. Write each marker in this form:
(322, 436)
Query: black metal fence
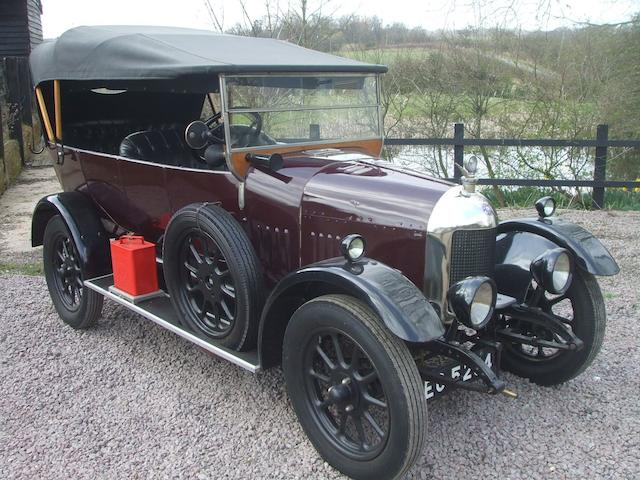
(601, 144)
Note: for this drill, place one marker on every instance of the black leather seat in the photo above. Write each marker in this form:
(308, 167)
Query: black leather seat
(166, 147)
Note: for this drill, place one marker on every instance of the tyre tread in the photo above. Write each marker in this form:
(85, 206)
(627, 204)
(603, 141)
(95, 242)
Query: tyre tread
(404, 365)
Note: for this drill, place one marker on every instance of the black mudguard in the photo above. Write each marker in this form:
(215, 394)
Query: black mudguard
(520, 241)
(399, 303)
(83, 222)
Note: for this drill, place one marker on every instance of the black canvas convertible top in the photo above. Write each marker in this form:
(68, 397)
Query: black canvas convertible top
(168, 53)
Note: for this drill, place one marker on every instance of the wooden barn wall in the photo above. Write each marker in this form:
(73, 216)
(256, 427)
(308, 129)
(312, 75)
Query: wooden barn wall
(20, 27)
(34, 12)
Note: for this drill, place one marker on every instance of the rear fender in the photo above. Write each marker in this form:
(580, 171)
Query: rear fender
(398, 302)
(82, 220)
(520, 241)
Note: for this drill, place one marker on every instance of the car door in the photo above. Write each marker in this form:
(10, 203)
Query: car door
(148, 208)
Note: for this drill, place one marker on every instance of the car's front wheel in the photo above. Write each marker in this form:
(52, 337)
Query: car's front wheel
(582, 310)
(355, 388)
(77, 305)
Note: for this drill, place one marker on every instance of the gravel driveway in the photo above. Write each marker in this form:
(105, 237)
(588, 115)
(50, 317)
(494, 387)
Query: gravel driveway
(130, 400)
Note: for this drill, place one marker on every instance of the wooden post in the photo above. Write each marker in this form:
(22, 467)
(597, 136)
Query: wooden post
(458, 150)
(58, 108)
(44, 115)
(600, 166)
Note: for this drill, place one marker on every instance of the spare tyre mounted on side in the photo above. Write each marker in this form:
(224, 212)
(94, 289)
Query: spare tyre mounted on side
(213, 276)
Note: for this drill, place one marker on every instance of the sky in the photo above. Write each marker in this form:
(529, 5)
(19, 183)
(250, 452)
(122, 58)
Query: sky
(60, 15)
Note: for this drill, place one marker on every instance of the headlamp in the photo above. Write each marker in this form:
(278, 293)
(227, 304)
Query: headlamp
(473, 301)
(546, 207)
(553, 270)
(353, 247)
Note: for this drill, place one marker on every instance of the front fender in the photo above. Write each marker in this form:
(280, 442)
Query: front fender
(397, 301)
(520, 241)
(83, 222)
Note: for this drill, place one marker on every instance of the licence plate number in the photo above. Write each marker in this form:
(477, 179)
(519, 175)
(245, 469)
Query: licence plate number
(455, 372)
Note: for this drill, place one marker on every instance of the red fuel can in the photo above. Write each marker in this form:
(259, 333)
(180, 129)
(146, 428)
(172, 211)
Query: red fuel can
(134, 265)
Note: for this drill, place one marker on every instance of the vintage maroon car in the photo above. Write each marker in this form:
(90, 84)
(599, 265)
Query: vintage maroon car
(282, 237)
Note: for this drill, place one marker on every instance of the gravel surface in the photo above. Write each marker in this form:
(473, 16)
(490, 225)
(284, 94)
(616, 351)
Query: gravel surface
(130, 400)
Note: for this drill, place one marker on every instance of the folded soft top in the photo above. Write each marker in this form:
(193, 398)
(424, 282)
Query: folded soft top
(168, 53)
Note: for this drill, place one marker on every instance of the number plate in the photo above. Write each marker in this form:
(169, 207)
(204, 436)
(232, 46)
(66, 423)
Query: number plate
(457, 372)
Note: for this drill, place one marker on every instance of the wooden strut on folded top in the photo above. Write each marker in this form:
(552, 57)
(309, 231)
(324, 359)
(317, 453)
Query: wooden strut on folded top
(58, 108)
(45, 114)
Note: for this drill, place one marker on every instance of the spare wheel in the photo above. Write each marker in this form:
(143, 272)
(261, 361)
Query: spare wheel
(213, 276)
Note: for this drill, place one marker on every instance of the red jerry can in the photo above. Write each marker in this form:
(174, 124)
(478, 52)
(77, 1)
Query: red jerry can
(134, 265)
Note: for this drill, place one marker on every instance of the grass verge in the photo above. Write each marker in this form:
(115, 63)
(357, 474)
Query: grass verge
(31, 269)
(614, 198)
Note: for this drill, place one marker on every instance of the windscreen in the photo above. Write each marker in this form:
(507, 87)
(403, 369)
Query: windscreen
(267, 110)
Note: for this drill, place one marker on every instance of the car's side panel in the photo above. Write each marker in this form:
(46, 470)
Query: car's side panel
(102, 182)
(185, 186)
(144, 185)
(69, 171)
(389, 208)
(272, 209)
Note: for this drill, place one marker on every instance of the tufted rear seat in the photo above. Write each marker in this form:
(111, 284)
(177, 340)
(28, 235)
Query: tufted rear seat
(105, 136)
(165, 146)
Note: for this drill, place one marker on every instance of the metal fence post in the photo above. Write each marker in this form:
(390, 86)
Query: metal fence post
(458, 150)
(600, 166)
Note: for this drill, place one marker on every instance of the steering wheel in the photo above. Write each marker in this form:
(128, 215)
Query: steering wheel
(199, 134)
(248, 134)
(215, 125)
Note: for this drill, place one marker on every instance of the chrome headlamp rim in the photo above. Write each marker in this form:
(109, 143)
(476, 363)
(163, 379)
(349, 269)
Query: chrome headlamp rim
(551, 269)
(353, 247)
(546, 207)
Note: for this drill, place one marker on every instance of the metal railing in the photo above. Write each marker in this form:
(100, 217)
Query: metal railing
(601, 144)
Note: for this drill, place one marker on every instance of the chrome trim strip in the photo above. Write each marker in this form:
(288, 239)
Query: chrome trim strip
(380, 116)
(300, 109)
(225, 123)
(145, 162)
(227, 355)
(327, 73)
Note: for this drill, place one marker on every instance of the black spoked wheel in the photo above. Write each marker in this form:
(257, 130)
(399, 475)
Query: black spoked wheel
(213, 275)
(77, 305)
(346, 394)
(68, 277)
(581, 309)
(355, 388)
(209, 288)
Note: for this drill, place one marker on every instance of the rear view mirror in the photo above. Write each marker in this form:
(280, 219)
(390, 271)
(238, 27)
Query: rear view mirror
(196, 135)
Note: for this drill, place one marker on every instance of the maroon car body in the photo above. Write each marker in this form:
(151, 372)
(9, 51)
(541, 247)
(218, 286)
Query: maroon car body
(283, 237)
(294, 216)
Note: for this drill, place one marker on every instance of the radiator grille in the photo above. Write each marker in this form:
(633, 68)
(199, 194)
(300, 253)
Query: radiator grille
(473, 252)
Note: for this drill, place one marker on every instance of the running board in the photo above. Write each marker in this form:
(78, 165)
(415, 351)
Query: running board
(160, 311)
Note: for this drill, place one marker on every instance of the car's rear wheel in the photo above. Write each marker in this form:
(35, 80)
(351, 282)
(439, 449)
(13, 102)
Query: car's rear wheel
(77, 305)
(212, 274)
(581, 309)
(355, 388)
